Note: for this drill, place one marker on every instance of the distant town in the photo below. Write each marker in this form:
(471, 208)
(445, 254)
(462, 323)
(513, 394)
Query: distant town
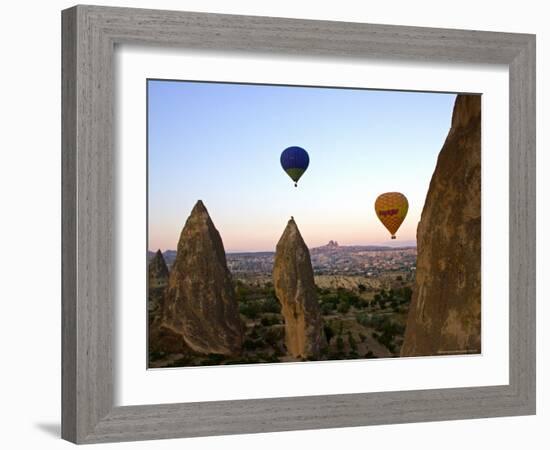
(330, 259)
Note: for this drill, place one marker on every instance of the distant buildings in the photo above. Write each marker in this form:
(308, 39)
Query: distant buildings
(330, 259)
(333, 259)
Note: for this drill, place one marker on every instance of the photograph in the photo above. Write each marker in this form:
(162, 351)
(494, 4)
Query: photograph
(306, 223)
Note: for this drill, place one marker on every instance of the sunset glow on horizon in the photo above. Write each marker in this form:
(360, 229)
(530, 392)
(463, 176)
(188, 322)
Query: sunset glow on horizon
(221, 143)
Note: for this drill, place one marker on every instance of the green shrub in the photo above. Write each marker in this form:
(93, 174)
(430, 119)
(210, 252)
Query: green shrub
(268, 321)
(182, 362)
(155, 356)
(273, 336)
(343, 308)
(364, 319)
(327, 308)
(216, 357)
(271, 305)
(351, 341)
(249, 309)
(406, 293)
(329, 332)
(252, 308)
(340, 344)
(251, 344)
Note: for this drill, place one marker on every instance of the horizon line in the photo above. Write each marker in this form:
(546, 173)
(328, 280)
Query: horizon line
(397, 247)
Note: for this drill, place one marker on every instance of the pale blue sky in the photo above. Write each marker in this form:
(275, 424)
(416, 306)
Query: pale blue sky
(221, 143)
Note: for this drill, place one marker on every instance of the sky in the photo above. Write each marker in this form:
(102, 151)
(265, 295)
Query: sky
(221, 143)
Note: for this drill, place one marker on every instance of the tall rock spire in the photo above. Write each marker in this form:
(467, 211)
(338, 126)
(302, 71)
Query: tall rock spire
(200, 303)
(157, 282)
(295, 289)
(445, 313)
(158, 270)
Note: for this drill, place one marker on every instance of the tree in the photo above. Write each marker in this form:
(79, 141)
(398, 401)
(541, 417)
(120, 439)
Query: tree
(249, 309)
(343, 308)
(340, 344)
(329, 332)
(351, 341)
(271, 305)
(407, 294)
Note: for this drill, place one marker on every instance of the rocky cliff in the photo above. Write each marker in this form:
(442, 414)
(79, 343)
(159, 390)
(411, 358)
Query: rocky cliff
(295, 289)
(157, 282)
(200, 303)
(445, 313)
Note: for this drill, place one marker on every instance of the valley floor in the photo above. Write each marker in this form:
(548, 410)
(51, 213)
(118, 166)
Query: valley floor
(363, 317)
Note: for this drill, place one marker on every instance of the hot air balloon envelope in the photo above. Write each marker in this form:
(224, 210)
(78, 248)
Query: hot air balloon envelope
(391, 208)
(295, 161)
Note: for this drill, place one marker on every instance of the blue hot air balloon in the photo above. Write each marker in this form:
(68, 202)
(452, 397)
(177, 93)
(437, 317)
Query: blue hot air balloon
(294, 161)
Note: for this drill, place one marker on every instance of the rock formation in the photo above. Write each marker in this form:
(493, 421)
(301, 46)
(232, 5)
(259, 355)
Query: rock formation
(160, 339)
(200, 302)
(445, 312)
(157, 282)
(295, 289)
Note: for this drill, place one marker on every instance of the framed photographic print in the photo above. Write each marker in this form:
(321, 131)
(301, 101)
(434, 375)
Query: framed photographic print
(279, 224)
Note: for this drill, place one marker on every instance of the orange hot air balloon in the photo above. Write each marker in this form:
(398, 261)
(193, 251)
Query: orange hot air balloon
(391, 208)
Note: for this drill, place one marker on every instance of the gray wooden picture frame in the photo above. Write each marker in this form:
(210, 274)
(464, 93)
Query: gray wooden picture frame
(90, 34)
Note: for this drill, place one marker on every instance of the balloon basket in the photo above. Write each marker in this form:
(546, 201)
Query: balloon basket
(393, 237)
